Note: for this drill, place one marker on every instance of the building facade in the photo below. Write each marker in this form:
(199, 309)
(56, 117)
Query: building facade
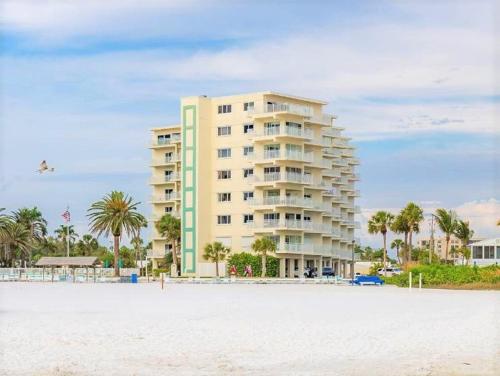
(485, 252)
(241, 167)
(440, 246)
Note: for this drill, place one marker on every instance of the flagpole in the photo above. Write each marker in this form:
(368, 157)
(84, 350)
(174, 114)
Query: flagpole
(67, 234)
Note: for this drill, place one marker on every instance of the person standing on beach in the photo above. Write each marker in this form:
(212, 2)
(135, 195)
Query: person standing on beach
(250, 271)
(232, 271)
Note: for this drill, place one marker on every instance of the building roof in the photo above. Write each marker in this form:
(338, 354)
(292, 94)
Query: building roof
(67, 261)
(492, 241)
(166, 127)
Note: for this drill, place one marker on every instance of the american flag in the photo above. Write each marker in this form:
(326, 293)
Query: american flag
(66, 216)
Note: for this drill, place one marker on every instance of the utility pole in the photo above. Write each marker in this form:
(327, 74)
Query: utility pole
(431, 250)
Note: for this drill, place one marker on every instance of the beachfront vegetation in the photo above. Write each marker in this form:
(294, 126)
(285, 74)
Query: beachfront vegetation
(242, 259)
(116, 214)
(169, 227)
(398, 244)
(380, 222)
(450, 276)
(447, 223)
(264, 247)
(216, 252)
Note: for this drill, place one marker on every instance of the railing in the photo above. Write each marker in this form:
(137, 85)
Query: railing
(171, 177)
(286, 176)
(167, 141)
(287, 131)
(167, 197)
(289, 107)
(322, 119)
(155, 253)
(49, 274)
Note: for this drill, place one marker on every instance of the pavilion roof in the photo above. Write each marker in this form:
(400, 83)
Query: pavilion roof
(67, 261)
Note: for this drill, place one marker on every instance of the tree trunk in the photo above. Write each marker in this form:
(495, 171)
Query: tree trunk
(405, 250)
(385, 254)
(397, 255)
(447, 242)
(116, 248)
(410, 235)
(263, 274)
(217, 267)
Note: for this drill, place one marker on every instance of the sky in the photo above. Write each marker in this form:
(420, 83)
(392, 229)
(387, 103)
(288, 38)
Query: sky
(415, 84)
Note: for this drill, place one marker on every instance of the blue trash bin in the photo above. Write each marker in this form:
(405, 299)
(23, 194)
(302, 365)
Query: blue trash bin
(133, 278)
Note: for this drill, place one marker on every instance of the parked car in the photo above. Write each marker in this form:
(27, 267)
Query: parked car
(390, 271)
(328, 271)
(310, 272)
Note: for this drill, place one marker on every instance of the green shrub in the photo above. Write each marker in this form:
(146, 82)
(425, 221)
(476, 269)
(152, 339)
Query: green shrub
(435, 275)
(156, 272)
(240, 260)
(374, 268)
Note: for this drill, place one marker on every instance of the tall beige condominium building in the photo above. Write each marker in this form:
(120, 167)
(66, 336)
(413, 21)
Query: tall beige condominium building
(256, 165)
(440, 246)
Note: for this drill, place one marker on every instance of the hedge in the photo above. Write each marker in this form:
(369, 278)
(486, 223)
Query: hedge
(240, 260)
(435, 275)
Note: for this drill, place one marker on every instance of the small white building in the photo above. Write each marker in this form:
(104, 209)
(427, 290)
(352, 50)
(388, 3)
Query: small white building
(485, 252)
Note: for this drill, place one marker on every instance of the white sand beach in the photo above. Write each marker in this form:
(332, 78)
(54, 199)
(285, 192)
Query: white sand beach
(125, 329)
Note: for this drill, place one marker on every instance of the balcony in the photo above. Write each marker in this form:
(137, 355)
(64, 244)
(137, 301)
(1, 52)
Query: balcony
(283, 177)
(286, 155)
(156, 253)
(172, 178)
(173, 213)
(167, 160)
(263, 109)
(321, 119)
(167, 141)
(286, 131)
(174, 196)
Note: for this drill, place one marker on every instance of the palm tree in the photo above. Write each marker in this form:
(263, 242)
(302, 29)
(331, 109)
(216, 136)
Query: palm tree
(169, 227)
(33, 220)
(87, 245)
(413, 215)
(137, 243)
(115, 214)
(464, 233)
(397, 243)
(447, 222)
(498, 222)
(381, 222)
(63, 231)
(15, 235)
(216, 252)
(263, 247)
(400, 225)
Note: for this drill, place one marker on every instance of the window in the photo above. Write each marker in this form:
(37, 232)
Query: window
(247, 172)
(248, 106)
(224, 130)
(224, 197)
(247, 151)
(223, 219)
(224, 109)
(271, 128)
(489, 251)
(168, 248)
(168, 209)
(477, 252)
(247, 218)
(247, 196)
(498, 251)
(271, 216)
(224, 174)
(224, 153)
(248, 128)
(163, 139)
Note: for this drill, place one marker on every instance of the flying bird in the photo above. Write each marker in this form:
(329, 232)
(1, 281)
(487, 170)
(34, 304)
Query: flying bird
(45, 168)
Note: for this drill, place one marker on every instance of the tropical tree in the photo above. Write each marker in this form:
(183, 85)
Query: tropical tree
(169, 227)
(33, 220)
(464, 233)
(137, 243)
(263, 247)
(400, 225)
(447, 222)
(413, 216)
(87, 245)
(115, 214)
(397, 243)
(216, 252)
(63, 231)
(15, 236)
(381, 222)
(498, 222)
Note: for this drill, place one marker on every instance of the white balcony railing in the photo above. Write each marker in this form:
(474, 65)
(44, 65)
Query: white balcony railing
(286, 177)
